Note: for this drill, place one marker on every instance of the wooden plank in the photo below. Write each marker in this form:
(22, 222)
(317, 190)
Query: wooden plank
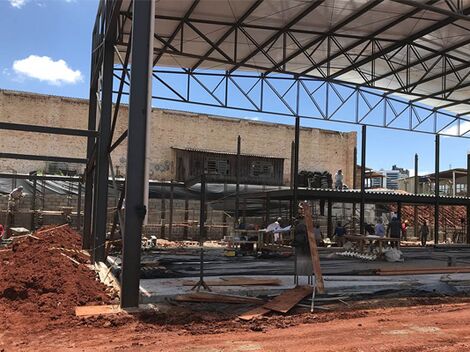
(254, 313)
(288, 299)
(320, 286)
(51, 229)
(97, 310)
(216, 298)
(238, 281)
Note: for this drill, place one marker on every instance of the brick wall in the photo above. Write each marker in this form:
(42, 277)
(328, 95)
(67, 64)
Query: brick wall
(320, 149)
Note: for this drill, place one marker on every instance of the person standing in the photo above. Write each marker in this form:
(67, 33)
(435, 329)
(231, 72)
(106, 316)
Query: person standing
(380, 228)
(424, 232)
(13, 203)
(318, 235)
(404, 229)
(339, 180)
(394, 229)
(339, 234)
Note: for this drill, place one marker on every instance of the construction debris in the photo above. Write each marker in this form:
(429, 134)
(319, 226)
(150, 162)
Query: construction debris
(97, 310)
(288, 299)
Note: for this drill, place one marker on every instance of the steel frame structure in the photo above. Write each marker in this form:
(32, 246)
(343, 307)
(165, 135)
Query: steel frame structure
(222, 77)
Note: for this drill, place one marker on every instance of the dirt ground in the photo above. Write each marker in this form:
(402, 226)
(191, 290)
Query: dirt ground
(422, 325)
(43, 278)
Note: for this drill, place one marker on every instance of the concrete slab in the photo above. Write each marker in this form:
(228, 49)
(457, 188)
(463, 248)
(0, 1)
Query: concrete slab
(156, 290)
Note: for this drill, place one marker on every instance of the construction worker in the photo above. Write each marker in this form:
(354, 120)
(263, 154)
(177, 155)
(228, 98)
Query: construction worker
(13, 202)
(339, 180)
(394, 229)
(424, 232)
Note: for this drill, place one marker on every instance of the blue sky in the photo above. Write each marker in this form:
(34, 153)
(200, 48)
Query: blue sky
(38, 34)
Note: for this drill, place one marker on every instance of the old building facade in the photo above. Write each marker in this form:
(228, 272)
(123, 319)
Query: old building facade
(170, 133)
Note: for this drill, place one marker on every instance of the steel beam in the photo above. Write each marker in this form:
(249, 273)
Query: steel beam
(440, 10)
(421, 33)
(59, 159)
(335, 28)
(137, 173)
(41, 177)
(100, 214)
(46, 129)
(178, 28)
(229, 32)
(89, 173)
(277, 34)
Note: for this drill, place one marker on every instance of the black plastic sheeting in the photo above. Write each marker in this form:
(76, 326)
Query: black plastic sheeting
(220, 196)
(48, 187)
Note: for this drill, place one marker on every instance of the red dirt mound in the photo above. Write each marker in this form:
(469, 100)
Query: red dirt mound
(48, 274)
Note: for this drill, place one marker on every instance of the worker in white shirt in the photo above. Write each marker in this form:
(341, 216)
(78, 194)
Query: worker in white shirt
(339, 180)
(13, 201)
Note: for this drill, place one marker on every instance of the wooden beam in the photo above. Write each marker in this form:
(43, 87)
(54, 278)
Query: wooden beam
(313, 248)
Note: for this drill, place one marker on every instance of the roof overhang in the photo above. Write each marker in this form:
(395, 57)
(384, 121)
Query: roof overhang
(417, 49)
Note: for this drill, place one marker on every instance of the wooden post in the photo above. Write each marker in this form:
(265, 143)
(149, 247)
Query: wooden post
(313, 248)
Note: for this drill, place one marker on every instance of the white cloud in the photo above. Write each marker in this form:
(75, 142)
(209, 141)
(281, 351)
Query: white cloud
(17, 3)
(45, 69)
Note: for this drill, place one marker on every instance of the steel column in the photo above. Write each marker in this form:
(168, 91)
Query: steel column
(136, 173)
(468, 196)
(33, 205)
(295, 195)
(363, 178)
(416, 186)
(89, 174)
(237, 177)
(329, 228)
(102, 155)
(170, 225)
(79, 207)
(354, 185)
(436, 190)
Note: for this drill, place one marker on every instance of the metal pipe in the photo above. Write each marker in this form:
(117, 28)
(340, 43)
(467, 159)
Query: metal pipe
(363, 178)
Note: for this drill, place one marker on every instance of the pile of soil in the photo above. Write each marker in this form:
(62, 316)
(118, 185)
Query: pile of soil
(47, 274)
